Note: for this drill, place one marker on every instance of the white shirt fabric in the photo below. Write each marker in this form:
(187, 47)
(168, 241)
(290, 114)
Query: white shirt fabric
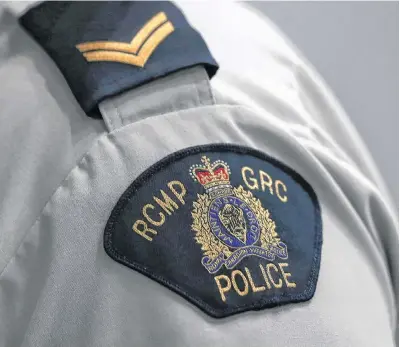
(58, 185)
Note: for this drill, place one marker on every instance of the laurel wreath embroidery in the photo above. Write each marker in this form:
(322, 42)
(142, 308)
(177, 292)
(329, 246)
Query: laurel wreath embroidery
(210, 244)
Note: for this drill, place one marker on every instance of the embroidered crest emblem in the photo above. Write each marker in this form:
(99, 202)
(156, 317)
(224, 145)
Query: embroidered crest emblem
(216, 224)
(229, 222)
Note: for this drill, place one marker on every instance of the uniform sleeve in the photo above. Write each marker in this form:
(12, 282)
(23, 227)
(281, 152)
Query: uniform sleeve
(267, 73)
(43, 131)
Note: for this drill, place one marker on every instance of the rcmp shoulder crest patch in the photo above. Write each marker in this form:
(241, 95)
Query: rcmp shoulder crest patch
(246, 227)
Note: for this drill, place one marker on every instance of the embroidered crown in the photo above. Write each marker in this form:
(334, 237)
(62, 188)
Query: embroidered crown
(211, 175)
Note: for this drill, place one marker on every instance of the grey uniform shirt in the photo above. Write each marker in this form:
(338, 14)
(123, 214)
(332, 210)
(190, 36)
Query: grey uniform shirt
(62, 173)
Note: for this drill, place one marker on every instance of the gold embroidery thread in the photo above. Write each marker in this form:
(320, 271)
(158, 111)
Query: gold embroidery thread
(230, 223)
(138, 51)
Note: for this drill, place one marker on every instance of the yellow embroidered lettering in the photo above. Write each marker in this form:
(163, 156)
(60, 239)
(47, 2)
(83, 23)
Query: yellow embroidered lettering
(267, 183)
(264, 182)
(143, 230)
(253, 286)
(226, 288)
(167, 204)
(265, 276)
(286, 275)
(272, 266)
(151, 220)
(245, 290)
(243, 281)
(254, 183)
(179, 194)
(278, 184)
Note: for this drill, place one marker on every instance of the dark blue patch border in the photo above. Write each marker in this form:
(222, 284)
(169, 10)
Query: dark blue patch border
(260, 304)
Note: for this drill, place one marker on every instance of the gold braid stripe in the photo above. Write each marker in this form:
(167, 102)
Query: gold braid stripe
(131, 47)
(127, 58)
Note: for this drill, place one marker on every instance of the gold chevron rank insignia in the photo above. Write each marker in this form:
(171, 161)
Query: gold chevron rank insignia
(138, 51)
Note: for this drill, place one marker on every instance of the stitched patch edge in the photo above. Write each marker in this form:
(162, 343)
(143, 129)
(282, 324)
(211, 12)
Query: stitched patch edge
(272, 301)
